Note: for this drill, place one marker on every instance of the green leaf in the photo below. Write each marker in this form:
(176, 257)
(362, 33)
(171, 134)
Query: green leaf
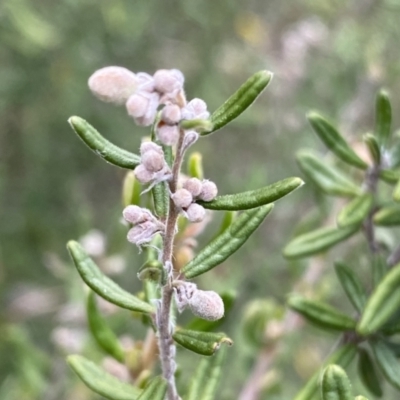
(253, 198)
(228, 242)
(373, 147)
(103, 285)
(314, 242)
(351, 285)
(389, 175)
(131, 190)
(101, 332)
(335, 384)
(368, 373)
(100, 381)
(379, 267)
(387, 216)
(321, 314)
(326, 177)
(102, 147)
(205, 343)
(227, 220)
(360, 398)
(343, 356)
(356, 210)
(240, 100)
(396, 192)
(382, 303)
(387, 362)
(195, 166)
(383, 117)
(206, 378)
(199, 125)
(334, 140)
(155, 390)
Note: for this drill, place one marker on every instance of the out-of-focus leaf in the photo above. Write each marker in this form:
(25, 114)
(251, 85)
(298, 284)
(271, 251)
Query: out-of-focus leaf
(103, 285)
(155, 390)
(205, 343)
(253, 198)
(334, 140)
(240, 100)
(328, 178)
(382, 303)
(396, 192)
(102, 147)
(100, 381)
(131, 189)
(195, 165)
(335, 384)
(321, 314)
(356, 210)
(388, 216)
(368, 373)
(389, 175)
(228, 242)
(317, 241)
(373, 147)
(383, 117)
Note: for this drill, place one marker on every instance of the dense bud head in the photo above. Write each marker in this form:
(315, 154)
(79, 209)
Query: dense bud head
(142, 174)
(137, 105)
(150, 146)
(168, 134)
(145, 82)
(113, 84)
(209, 191)
(195, 213)
(195, 109)
(171, 114)
(194, 186)
(136, 215)
(207, 304)
(153, 161)
(167, 81)
(182, 198)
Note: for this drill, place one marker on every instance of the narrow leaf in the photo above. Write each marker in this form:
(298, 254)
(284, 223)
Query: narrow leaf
(387, 216)
(240, 100)
(389, 175)
(314, 242)
(356, 210)
(396, 192)
(100, 381)
(382, 303)
(101, 146)
(387, 362)
(155, 390)
(131, 190)
(328, 178)
(343, 357)
(103, 285)
(321, 314)
(335, 384)
(373, 147)
(334, 140)
(205, 343)
(351, 285)
(101, 332)
(383, 117)
(368, 373)
(206, 378)
(253, 198)
(195, 166)
(360, 398)
(228, 242)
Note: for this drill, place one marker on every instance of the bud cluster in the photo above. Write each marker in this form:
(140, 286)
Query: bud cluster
(194, 189)
(205, 304)
(145, 225)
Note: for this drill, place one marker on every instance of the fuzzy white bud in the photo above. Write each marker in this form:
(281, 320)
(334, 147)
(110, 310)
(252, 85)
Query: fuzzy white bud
(142, 106)
(150, 146)
(189, 139)
(195, 213)
(143, 233)
(209, 191)
(195, 109)
(113, 84)
(194, 186)
(168, 134)
(136, 215)
(153, 161)
(207, 304)
(145, 82)
(182, 198)
(137, 105)
(171, 114)
(167, 81)
(142, 174)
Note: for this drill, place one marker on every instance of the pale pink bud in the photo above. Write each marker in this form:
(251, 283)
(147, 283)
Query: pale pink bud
(166, 81)
(113, 84)
(207, 304)
(182, 198)
(151, 111)
(209, 191)
(168, 134)
(194, 186)
(150, 146)
(142, 174)
(171, 114)
(143, 233)
(195, 213)
(137, 105)
(136, 215)
(195, 109)
(189, 139)
(146, 82)
(153, 161)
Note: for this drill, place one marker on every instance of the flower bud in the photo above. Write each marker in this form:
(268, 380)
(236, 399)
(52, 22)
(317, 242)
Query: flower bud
(207, 304)
(137, 105)
(190, 138)
(136, 215)
(171, 114)
(142, 174)
(150, 146)
(194, 186)
(145, 82)
(166, 81)
(151, 111)
(168, 134)
(143, 233)
(209, 191)
(153, 161)
(195, 109)
(113, 84)
(182, 198)
(195, 213)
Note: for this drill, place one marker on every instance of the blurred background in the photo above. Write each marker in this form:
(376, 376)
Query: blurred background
(327, 55)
